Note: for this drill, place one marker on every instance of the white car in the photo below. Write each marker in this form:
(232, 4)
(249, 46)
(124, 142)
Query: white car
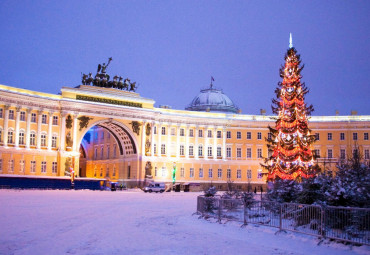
(155, 187)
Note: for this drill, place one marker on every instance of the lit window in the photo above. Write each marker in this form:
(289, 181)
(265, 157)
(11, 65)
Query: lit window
(228, 134)
(259, 174)
(219, 173)
(44, 119)
(200, 172)
(259, 136)
(330, 136)
(238, 152)
(22, 116)
(249, 135)
(238, 135)
(43, 167)
(210, 173)
(239, 174)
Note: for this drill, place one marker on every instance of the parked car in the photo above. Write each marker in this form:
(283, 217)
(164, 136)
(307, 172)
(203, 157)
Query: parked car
(155, 187)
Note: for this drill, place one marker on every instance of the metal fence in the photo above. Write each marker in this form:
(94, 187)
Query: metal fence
(340, 223)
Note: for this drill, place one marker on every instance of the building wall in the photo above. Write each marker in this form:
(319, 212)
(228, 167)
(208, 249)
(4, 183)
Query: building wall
(46, 116)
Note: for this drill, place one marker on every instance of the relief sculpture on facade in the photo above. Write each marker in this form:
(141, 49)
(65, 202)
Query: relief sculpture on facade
(84, 121)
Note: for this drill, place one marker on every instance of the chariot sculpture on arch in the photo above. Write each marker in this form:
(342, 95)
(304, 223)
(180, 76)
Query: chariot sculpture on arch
(102, 79)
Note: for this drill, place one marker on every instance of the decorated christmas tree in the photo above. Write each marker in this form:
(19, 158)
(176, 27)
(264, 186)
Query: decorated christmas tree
(290, 142)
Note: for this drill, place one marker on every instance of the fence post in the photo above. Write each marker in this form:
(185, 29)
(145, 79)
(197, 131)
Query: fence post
(323, 225)
(281, 218)
(219, 209)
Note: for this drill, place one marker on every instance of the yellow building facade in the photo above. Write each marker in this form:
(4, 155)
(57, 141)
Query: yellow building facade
(120, 136)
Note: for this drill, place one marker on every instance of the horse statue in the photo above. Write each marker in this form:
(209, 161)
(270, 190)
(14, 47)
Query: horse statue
(133, 86)
(120, 83)
(126, 84)
(89, 79)
(84, 79)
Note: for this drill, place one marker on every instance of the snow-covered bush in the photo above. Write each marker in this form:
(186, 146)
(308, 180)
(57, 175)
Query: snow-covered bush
(210, 201)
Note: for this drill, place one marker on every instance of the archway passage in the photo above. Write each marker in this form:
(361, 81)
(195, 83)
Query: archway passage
(104, 150)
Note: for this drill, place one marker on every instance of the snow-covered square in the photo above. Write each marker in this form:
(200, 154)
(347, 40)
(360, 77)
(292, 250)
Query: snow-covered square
(134, 222)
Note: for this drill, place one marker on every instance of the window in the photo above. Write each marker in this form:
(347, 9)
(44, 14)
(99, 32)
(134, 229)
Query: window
(33, 166)
(1, 134)
(1, 112)
(11, 114)
(355, 153)
(219, 173)
(44, 119)
(10, 136)
(228, 173)
(191, 132)
(239, 174)
(55, 120)
(43, 167)
(108, 135)
(366, 136)
(54, 167)
(163, 130)
(219, 152)
(342, 154)
(182, 132)
(354, 136)
(173, 131)
(200, 133)
(317, 136)
(182, 172)
(269, 136)
(209, 151)
(238, 152)
(102, 135)
(54, 141)
(259, 174)
(249, 152)
(259, 136)
(101, 172)
(342, 137)
(249, 174)
(191, 173)
(228, 152)
(115, 150)
(209, 133)
(316, 152)
(210, 173)
(228, 134)
(330, 136)
(96, 153)
(114, 171)
(330, 153)
(108, 151)
(43, 140)
(96, 135)
(259, 153)
(200, 151)
(200, 172)
(11, 166)
(23, 116)
(33, 139)
(102, 152)
(33, 117)
(21, 138)
(155, 171)
(249, 135)
(218, 134)
(367, 154)
(182, 151)
(163, 149)
(191, 150)
(21, 165)
(238, 135)
(107, 172)
(1, 163)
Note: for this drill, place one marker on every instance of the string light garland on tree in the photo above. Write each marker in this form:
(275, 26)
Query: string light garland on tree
(290, 142)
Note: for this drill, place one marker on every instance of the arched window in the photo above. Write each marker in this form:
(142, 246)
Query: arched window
(10, 136)
(21, 137)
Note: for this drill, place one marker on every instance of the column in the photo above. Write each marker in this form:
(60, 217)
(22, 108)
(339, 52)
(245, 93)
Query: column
(50, 131)
(6, 119)
(17, 117)
(178, 141)
(143, 137)
(152, 139)
(75, 145)
(63, 131)
(187, 141)
(159, 134)
(205, 148)
(196, 153)
(215, 143)
(168, 152)
(224, 143)
(39, 120)
(28, 128)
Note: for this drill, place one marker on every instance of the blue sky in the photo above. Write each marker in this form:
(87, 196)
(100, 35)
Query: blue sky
(172, 48)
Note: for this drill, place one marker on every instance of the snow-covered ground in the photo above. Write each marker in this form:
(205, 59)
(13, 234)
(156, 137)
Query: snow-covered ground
(133, 222)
